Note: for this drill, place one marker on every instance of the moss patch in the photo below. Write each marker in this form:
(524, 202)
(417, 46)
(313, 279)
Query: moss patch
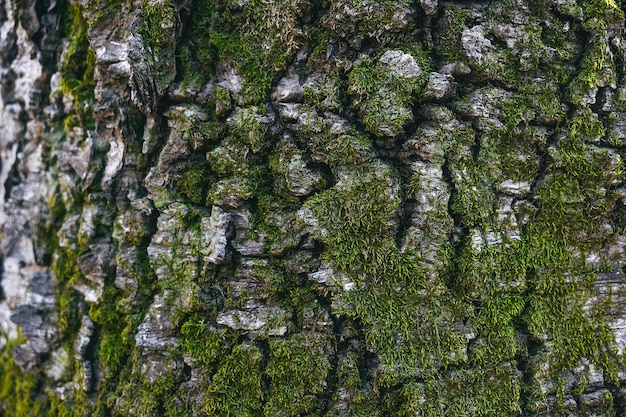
(257, 37)
(77, 69)
(384, 95)
(18, 390)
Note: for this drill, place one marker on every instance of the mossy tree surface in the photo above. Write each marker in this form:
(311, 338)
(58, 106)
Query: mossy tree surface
(328, 208)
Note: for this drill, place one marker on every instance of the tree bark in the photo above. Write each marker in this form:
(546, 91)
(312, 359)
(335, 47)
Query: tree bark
(312, 208)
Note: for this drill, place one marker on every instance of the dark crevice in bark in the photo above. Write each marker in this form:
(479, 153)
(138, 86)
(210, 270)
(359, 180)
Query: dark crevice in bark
(13, 179)
(332, 379)
(459, 234)
(543, 162)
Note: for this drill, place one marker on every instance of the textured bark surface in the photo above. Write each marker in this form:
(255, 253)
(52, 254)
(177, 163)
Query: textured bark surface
(312, 208)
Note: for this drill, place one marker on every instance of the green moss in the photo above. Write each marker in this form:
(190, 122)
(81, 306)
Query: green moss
(562, 41)
(375, 87)
(158, 27)
(378, 23)
(485, 270)
(257, 37)
(297, 376)
(529, 280)
(61, 409)
(246, 125)
(599, 13)
(193, 75)
(407, 322)
(156, 24)
(112, 352)
(205, 345)
(495, 323)
(573, 336)
(352, 394)
(474, 392)
(77, 70)
(194, 181)
(114, 345)
(604, 407)
(410, 318)
(107, 10)
(66, 266)
(247, 134)
(280, 224)
(345, 150)
(568, 224)
(238, 160)
(534, 101)
(326, 94)
(236, 387)
(221, 98)
(229, 158)
(154, 395)
(141, 273)
(290, 171)
(18, 390)
(596, 69)
(454, 21)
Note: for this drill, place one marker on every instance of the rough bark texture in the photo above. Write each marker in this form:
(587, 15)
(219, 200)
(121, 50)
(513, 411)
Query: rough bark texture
(312, 208)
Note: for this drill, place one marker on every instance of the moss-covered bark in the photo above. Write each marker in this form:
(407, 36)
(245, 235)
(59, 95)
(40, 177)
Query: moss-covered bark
(313, 208)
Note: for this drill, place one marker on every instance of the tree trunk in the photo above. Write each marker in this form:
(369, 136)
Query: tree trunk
(312, 208)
